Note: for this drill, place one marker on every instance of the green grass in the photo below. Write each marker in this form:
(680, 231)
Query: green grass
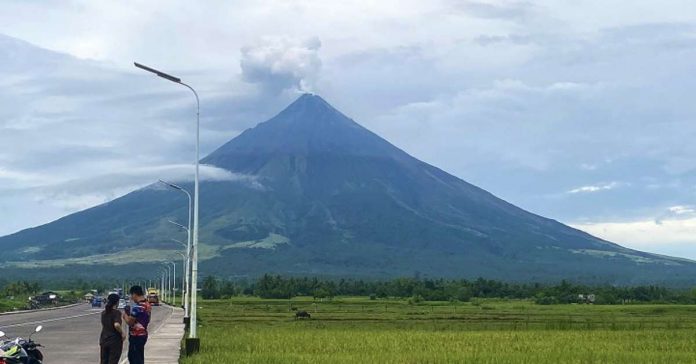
(12, 304)
(357, 330)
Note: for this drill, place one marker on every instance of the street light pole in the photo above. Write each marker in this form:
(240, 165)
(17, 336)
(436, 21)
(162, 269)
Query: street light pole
(187, 247)
(187, 269)
(164, 294)
(184, 279)
(192, 345)
(173, 281)
(184, 261)
(164, 285)
(168, 282)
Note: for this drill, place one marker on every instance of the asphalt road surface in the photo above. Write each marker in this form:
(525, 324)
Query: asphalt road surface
(69, 335)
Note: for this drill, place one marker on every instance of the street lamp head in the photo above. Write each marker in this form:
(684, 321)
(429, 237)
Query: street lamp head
(171, 185)
(158, 73)
(177, 224)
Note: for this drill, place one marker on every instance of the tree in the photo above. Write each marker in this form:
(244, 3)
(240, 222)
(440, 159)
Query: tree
(227, 290)
(211, 288)
(321, 293)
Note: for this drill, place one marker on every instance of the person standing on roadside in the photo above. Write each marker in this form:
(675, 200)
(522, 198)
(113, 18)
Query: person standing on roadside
(112, 334)
(138, 318)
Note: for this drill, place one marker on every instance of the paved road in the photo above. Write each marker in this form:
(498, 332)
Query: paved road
(70, 335)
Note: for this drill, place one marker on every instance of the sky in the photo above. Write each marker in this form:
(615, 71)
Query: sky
(579, 111)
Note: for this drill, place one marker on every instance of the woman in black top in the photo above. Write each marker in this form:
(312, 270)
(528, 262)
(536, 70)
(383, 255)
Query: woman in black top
(112, 335)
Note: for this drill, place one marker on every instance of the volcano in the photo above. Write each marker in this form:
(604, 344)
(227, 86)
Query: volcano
(318, 194)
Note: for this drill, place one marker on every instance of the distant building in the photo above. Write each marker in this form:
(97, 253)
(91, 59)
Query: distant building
(586, 298)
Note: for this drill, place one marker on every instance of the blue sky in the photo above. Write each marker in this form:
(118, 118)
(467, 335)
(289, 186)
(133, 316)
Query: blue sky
(579, 111)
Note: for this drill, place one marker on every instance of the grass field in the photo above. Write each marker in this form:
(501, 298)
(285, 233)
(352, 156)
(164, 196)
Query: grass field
(12, 304)
(358, 330)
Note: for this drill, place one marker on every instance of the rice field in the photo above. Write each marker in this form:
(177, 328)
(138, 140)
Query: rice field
(359, 330)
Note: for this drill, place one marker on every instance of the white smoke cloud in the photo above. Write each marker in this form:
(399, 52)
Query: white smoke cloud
(277, 64)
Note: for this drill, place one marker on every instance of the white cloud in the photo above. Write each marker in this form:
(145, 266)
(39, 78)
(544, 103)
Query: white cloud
(51, 197)
(682, 210)
(278, 64)
(509, 10)
(139, 176)
(116, 183)
(644, 234)
(677, 213)
(595, 188)
(672, 233)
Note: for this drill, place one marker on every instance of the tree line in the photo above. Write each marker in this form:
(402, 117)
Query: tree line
(276, 286)
(415, 289)
(18, 288)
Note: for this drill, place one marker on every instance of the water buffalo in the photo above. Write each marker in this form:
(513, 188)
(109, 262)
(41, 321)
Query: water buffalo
(302, 315)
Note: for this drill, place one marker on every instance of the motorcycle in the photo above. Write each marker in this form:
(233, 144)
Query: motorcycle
(20, 351)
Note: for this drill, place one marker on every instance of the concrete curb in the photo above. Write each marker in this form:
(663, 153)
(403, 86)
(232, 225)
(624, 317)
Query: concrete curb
(41, 309)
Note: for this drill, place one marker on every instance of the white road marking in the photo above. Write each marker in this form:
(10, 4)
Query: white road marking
(50, 320)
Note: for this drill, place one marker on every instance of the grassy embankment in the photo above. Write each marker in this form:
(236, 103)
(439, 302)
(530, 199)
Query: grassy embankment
(21, 302)
(358, 330)
(7, 304)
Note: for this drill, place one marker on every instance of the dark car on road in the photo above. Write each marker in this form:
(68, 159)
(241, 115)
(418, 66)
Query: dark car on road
(97, 301)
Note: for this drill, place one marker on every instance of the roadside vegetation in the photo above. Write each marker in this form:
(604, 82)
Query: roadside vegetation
(390, 330)
(9, 303)
(15, 296)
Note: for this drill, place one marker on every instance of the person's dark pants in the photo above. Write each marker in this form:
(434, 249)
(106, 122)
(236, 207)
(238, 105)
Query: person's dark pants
(136, 349)
(110, 352)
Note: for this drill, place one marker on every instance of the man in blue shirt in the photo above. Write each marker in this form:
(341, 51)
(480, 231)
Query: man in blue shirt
(138, 318)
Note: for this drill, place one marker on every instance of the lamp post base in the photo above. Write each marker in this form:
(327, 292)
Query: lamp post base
(193, 345)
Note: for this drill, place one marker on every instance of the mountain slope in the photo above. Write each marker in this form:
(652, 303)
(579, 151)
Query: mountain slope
(323, 195)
